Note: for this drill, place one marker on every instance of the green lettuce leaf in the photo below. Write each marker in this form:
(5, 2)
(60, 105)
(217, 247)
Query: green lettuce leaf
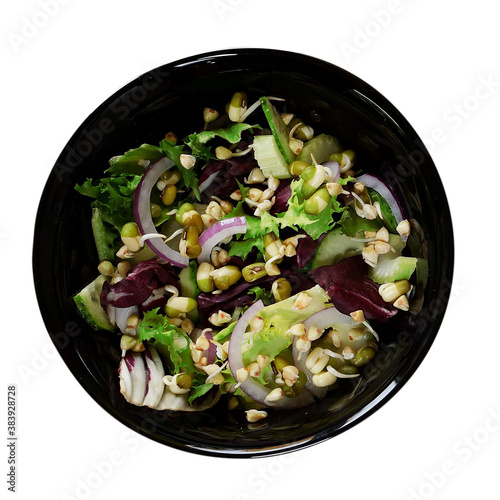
(262, 294)
(297, 218)
(231, 134)
(171, 151)
(199, 390)
(128, 162)
(243, 247)
(111, 209)
(268, 224)
(115, 196)
(257, 228)
(253, 237)
(173, 344)
(225, 333)
(156, 327)
(278, 318)
(189, 176)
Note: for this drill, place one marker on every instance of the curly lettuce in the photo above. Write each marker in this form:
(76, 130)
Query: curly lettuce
(278, 318)
(173, 344)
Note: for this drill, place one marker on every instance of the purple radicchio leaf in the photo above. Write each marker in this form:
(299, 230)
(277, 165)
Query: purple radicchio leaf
(350, 289)
(238, 296)
(305, 250)
(139, 284)
(282, 195)
(228, 171)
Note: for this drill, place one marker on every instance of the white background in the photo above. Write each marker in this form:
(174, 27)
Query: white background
(430, 59)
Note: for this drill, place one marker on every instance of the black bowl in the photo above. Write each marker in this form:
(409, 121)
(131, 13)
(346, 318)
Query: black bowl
(171, 98)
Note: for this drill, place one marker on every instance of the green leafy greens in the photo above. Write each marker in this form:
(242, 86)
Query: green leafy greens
(189, 177)
(297, 217)
(261, 294)
(231, 134)
(128, 163)
(351, 223)
(112, 208)
(156, 327)
(278, 318)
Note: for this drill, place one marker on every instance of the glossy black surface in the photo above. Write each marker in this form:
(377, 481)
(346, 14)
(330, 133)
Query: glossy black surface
(171, 98)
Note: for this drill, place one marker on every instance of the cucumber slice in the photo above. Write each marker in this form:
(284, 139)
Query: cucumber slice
(187, 281)
(278, 128)
(105, 236)
(391, 270)
(269, 157)
(391, 266)
(337, 246)
(321, 147)
(397, 243)
(145, 254)
(352, 223)
(334, 247)
(89, 305)
(189, 287)
(421, 277)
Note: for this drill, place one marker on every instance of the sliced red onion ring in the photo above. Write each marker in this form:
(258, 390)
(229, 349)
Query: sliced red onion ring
(142, 212)
(334, 168)
(321, 319)
(382, 188)
(251, 387)
(218, 232)
(208, 181)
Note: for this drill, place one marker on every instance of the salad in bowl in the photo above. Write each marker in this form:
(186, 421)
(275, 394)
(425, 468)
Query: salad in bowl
(252, 264)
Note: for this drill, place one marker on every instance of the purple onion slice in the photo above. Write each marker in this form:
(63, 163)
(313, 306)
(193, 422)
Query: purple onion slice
(384, 190)
(142, 212)
(334, 168)
(217, 232)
